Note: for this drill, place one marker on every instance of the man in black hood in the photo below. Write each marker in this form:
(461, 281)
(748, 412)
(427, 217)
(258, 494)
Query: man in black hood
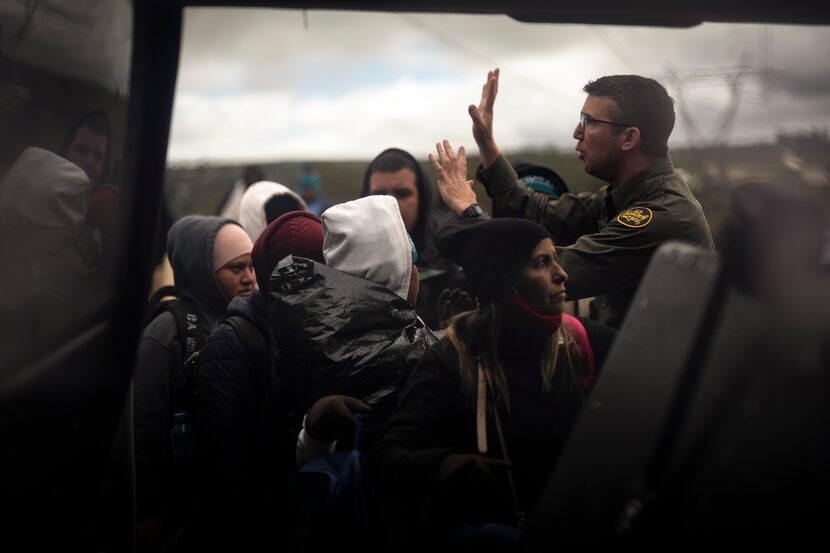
(396, 172)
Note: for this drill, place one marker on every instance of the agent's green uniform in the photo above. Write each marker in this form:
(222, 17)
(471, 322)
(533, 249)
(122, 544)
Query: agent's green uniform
(605, 240)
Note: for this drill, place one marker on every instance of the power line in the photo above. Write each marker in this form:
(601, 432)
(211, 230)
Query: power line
(489, 62)
(753, 98)
(615, 46)
(733, 78)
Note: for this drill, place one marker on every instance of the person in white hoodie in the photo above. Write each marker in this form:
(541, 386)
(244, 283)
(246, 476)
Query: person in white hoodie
(263, 203)
(348, 338)
(349, 328)
(367, 238)
(52, 275)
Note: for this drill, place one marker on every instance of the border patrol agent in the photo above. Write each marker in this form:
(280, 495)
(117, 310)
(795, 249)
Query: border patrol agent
(604, 240)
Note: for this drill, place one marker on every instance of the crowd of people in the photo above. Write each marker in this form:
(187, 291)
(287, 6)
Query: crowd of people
(395, 372)
(436, 329)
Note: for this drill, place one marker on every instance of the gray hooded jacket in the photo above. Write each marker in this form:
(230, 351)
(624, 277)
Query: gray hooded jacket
(159, 372)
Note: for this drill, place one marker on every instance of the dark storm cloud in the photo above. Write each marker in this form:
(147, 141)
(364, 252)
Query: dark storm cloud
(802, 84)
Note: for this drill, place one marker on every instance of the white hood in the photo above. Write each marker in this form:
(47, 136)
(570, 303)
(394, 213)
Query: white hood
(43, 190)
(367, 238)
(252, 207)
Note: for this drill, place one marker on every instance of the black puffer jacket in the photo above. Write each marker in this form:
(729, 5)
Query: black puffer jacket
(245, 447)
(341, 334)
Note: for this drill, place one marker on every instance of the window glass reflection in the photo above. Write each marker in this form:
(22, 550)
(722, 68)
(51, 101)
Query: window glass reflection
(64, 73)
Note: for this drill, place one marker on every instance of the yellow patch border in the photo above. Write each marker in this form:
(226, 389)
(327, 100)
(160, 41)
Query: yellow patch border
(650, 217)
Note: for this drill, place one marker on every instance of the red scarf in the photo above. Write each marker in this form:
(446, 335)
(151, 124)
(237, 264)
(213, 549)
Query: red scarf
(524, 317)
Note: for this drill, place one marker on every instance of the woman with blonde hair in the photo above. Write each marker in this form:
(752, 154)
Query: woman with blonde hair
(487, 410)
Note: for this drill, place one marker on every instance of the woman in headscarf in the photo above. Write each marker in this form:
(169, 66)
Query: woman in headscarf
(211, 260)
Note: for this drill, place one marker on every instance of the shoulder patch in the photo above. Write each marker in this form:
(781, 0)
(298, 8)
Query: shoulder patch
(636, 217)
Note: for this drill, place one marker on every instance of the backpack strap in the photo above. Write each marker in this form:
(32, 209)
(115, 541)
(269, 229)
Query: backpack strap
(155, 305)
(188, 326)
(191, 335)
(484, 384)
(161, 293)
(481, 411)
(192, 339)
(577, 331)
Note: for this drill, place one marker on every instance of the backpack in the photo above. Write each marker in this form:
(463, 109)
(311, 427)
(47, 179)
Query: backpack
(192, 339)
(577, 331)
(332, 499)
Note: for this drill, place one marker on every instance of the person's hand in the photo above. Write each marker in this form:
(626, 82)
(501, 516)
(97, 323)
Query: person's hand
(482, 117)
(333, 417)
(478, 469)
(467, 488)
(451, 173)
(451, 302)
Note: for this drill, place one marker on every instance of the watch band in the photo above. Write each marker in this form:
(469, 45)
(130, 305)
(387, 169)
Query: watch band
(474, 210)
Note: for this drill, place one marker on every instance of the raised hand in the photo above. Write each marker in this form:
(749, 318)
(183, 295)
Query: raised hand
(482, 116)
(451, 173)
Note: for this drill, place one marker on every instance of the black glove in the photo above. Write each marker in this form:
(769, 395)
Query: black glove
(333, 417)
(468, 491)
(453, 301)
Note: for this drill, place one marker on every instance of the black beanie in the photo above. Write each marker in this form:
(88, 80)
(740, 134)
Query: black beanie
(489, 250)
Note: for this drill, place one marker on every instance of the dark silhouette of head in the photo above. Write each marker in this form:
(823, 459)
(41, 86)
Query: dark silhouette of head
(87, 145)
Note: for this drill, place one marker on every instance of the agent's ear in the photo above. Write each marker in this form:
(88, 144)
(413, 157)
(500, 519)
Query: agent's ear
(631, 138)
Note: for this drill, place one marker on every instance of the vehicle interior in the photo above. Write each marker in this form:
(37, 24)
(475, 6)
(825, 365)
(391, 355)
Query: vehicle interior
(714, 403)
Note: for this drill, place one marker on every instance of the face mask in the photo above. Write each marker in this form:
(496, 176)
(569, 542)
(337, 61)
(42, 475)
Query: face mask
(524, 317)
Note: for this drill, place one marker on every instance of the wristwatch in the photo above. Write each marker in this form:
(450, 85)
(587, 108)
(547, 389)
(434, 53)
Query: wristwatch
(474, 210)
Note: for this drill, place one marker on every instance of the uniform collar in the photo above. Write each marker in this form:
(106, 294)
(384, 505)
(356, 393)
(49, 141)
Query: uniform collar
(628, 192)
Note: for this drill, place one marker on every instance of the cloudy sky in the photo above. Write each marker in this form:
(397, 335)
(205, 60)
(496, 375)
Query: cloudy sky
(261, 85)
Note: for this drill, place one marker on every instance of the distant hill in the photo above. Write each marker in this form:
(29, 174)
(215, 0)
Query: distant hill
(799, 160)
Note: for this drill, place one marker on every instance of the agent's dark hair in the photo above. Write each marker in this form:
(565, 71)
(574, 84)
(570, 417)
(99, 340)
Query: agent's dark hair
(98, 122)
(392, 161)
(640, 102)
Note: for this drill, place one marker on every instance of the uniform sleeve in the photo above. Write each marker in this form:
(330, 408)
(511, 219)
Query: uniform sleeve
(614, 258)
(566, 218)
(406, 457)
